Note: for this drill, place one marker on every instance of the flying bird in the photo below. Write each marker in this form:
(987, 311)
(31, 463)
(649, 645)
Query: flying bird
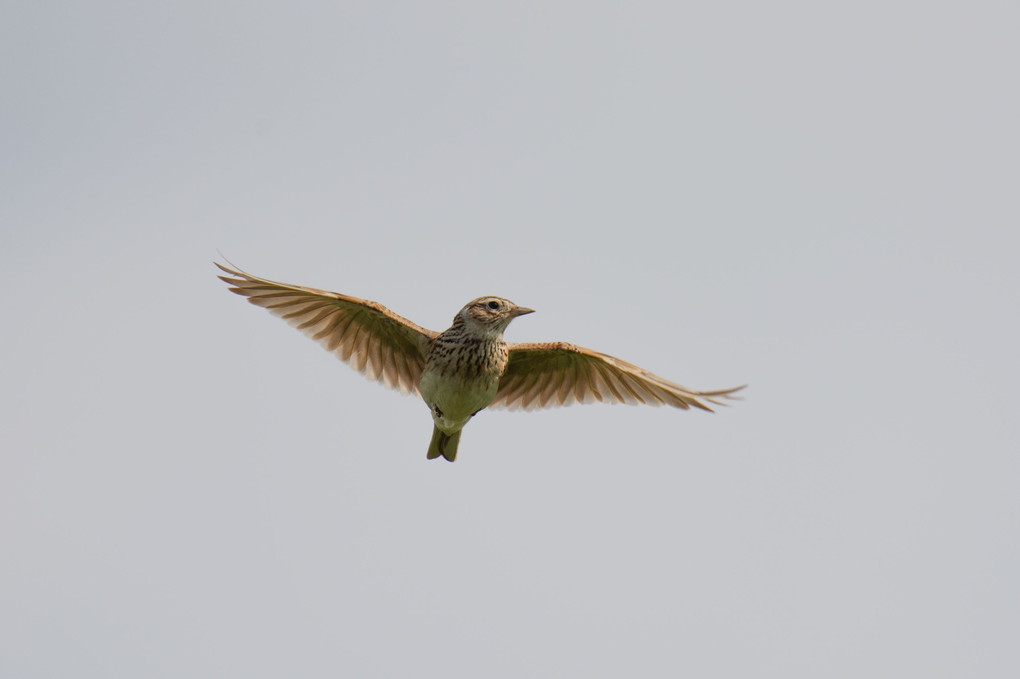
(467, 367)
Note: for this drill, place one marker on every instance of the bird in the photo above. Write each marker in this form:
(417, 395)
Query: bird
(467, 367)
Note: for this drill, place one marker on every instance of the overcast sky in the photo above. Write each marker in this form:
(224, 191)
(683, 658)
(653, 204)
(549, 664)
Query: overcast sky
(818, 199)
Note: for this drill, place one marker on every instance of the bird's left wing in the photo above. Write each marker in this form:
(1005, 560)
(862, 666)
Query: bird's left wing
(548, 374)
(366, 335)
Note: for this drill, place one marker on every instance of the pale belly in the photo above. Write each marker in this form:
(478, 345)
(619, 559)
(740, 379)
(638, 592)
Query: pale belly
(455, 398)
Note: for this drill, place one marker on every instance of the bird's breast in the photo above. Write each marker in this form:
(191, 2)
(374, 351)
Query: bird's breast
(467, 358)
(461, 377)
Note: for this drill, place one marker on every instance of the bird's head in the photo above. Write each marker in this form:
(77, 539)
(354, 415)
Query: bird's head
(489, 316)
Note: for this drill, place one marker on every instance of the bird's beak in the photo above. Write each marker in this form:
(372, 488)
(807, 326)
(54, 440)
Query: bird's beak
(521, 310)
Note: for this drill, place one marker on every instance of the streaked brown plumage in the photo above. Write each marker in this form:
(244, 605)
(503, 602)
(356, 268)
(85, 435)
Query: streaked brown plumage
(467, 367)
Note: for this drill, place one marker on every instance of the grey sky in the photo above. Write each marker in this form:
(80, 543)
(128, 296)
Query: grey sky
(819, 200)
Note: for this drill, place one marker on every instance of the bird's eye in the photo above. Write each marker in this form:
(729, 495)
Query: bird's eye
(493, 305)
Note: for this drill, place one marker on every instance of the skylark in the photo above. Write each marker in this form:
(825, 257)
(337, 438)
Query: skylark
(467, 367)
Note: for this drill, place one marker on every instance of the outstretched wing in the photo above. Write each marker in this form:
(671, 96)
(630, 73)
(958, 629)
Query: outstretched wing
(366, 335)
(549, 374)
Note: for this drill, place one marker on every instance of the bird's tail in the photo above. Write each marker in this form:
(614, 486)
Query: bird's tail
(444, 445)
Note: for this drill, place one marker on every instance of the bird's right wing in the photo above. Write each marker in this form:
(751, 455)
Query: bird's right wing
(548, 374)
(366, 335)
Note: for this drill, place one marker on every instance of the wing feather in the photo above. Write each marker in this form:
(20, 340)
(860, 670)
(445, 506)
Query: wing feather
(633, 389)
(514, 386)
(375, 361)
(540, 375)
(389, 374)
(590, 377)
(609, 380)
(409, 373)
(534, 391)
(570, 383)
(552, 387)
(314, 319)
(369, 337)
(359, 349)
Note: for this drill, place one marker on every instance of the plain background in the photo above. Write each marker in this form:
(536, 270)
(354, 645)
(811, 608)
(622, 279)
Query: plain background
(819, 199)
